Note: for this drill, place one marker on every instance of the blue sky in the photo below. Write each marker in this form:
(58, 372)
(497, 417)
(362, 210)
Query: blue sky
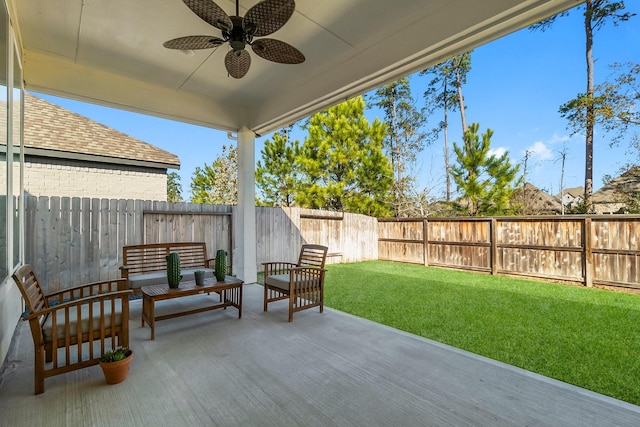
(515, 87)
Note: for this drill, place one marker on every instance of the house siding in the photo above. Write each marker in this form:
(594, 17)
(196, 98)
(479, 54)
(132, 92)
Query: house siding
(71, 178)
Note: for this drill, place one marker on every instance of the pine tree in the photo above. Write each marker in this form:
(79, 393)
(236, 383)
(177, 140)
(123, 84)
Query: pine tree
(276, 173)
(486, 182)
(444, 92)
(581, 111)
(217, 183)
(174, 187)
(404, 139)
(342, 165)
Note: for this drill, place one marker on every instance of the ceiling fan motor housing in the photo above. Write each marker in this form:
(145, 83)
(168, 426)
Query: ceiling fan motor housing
(237, 37)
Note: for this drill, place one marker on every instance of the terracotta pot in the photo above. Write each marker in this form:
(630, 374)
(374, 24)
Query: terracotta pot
(116, 372)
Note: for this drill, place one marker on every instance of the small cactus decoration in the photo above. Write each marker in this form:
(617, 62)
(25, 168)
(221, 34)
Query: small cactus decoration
(173, 270)
(221, 265)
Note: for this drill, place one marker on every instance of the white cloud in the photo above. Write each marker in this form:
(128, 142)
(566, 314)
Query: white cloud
(556, 139)
(540, 151)
(497, 152)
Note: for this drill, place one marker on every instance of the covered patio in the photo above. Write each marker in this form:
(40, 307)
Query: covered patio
(216, 369)
(322, 369)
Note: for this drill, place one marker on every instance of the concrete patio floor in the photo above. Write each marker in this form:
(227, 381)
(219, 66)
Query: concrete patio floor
(323, 369)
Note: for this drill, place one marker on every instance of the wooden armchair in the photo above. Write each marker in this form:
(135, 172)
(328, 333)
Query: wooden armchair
(302, 283)
(72, 328)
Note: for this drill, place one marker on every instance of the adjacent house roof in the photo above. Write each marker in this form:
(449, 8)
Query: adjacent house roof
(619, 190)
(537, 201)
(52, 131)
(575, 192)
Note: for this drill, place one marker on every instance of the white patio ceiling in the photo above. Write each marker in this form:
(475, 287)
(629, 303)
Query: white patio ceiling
(110, 52)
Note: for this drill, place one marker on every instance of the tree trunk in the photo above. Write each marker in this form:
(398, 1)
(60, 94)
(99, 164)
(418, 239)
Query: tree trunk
(461, 99)
(446, 144)
(590, 115)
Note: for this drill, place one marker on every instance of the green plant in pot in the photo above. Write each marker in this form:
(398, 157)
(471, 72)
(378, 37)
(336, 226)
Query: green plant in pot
(221, 265)
(115, 364)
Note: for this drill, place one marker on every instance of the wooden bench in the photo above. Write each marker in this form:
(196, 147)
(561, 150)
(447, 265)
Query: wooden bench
(72, 328)
(147, 264)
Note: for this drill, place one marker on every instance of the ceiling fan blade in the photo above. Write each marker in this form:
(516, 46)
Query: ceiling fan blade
(277, 51)
(267, 17)
(193, 42)
(237, 63)
(210, 13)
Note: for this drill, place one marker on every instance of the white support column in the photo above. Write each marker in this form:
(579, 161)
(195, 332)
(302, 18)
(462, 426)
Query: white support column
(245, 261)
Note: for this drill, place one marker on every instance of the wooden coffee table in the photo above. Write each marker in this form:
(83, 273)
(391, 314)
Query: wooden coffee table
(230, 292)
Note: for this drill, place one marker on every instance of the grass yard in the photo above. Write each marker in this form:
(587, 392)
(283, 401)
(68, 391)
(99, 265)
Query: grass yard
(586, 337)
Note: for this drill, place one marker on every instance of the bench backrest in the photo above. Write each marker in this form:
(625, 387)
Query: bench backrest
(152, 257)
(30, 289)
(312, 256)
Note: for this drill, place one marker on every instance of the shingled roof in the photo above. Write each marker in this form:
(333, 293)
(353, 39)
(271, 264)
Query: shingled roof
(619, 188)
(50, 130)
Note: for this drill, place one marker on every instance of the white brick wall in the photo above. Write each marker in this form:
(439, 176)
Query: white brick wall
(70, 178)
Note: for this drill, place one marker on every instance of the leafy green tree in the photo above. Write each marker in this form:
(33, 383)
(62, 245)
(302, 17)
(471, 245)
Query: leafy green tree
(582, 111)
(487, 182)
(444, 92)
(217, 183)
(342, 165)
(174, 187)
(404, 137)
(277, 172)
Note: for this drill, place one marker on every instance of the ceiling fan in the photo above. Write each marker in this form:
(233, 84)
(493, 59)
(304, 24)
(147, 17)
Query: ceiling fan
(262, 19)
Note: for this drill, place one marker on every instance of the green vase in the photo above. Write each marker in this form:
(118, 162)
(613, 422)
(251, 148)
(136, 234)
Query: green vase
(173, 270)
(221, 265)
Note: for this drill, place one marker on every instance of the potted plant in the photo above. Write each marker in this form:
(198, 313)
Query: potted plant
(115, 364)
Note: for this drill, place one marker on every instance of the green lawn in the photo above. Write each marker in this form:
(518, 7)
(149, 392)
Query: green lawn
(586, 337)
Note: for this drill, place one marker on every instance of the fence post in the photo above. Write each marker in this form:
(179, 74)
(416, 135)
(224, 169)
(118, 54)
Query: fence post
(587, 257)
(425, 237)
(493, 258)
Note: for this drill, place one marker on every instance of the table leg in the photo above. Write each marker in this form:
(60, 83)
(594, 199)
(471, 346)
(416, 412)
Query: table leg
(152, 318)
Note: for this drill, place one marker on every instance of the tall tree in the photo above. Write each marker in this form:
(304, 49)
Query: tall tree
(277, 172)
(404, 137)
(174, 187)
(487, 182)
(217, 183)
(581, 111)
(444, 92)
(342, 165)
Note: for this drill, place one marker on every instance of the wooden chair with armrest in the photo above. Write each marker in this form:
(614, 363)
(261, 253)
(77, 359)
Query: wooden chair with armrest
(72, 328)
(302, 282)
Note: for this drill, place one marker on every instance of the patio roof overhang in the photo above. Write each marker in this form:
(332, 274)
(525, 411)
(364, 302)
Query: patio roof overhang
(111, 53)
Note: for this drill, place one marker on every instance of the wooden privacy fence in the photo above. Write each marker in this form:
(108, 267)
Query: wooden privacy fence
(599, 250)
(281, 232)
(71, 241)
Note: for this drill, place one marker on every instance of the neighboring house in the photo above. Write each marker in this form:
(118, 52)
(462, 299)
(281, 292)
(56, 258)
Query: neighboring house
(571, 197)
(621, 195)
(67, 154)
(537, 202)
